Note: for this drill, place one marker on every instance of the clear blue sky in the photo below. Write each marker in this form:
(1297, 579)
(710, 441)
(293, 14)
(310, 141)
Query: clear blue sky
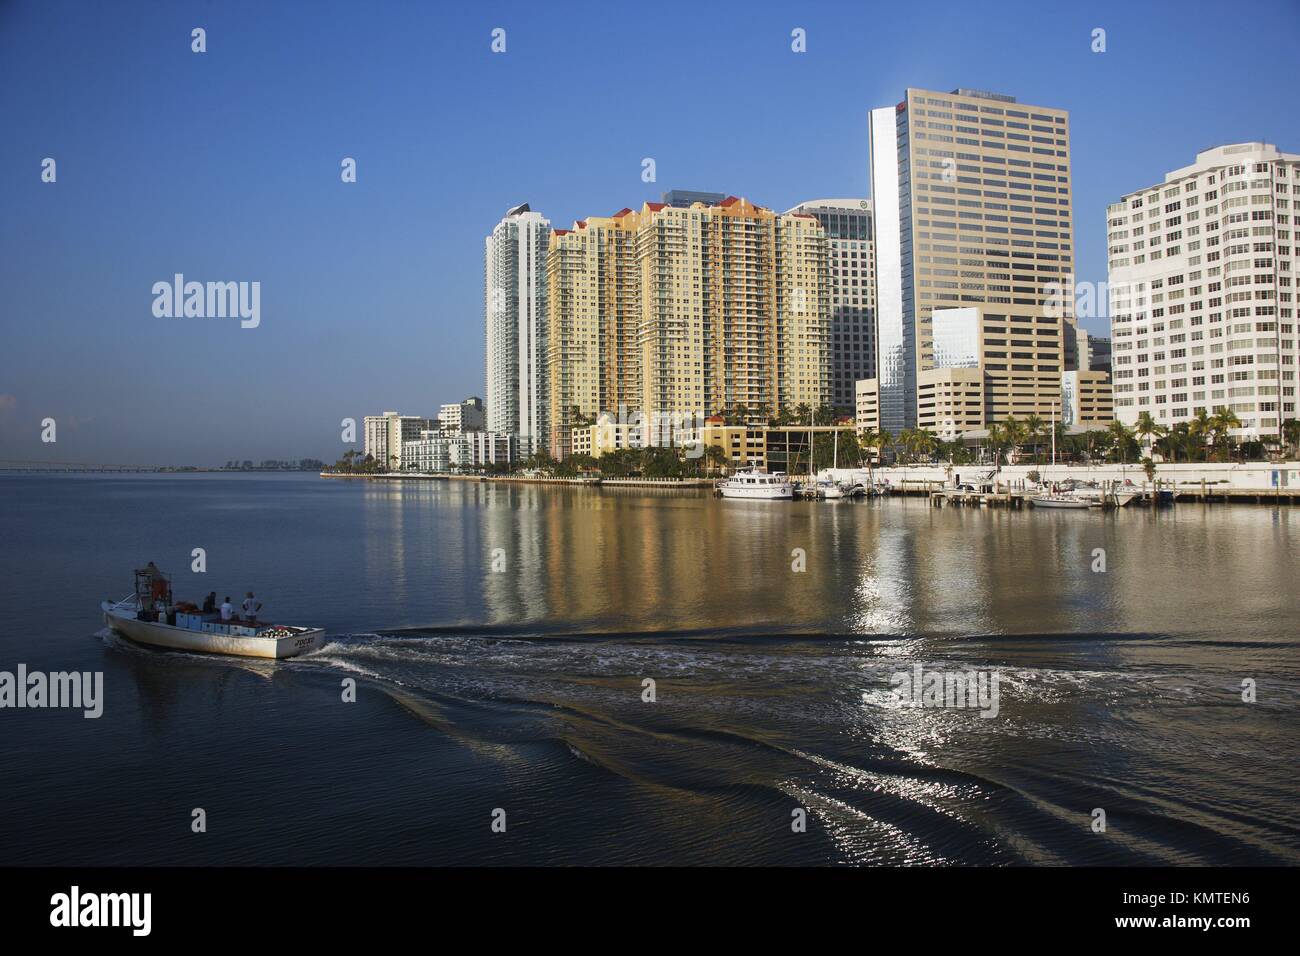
(225, 166)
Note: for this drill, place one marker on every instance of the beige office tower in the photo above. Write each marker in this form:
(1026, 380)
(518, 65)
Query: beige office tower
(1202, 291)
(677, 312)
(972, 202)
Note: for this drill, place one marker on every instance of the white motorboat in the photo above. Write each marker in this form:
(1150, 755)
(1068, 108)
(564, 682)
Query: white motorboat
(758, 485)
(830, 489)
(148, 617)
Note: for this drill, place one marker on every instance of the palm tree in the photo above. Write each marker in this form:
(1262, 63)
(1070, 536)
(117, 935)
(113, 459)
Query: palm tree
(1034, 428)
(1148, 428)
(1170, 440)
(927, 442)
(1121, 436)
(1291, 434)
(1200, 428)
(1014, 433)
(714, 458)
(907, 439)
(996, 442)
(880, 441)
(1221, 423)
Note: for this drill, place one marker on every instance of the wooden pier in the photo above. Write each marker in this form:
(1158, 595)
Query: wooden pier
(994, 499)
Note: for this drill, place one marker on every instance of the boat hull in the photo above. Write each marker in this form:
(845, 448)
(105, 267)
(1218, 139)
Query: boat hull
(207, 642)
(772, 493)
(1077, 504)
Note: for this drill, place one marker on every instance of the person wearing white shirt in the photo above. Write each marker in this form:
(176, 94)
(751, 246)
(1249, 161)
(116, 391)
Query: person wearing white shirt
(227, 610)
(251, 607)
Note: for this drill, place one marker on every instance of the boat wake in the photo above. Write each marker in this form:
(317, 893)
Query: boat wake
(756, 725)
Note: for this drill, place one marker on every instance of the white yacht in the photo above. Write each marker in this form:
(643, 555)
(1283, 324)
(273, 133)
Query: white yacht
(757, 484)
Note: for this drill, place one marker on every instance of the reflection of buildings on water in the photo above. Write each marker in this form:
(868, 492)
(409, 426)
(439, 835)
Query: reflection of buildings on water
(513, 522)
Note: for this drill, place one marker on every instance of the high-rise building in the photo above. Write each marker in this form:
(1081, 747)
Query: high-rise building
(466, 416)
(972, 202)
(1202, 291)
(677, 312)
(734, 309)
(515, 309)
(853, 322)
(386, 434)
(1099, 359)
(686, 198)
(592, 279)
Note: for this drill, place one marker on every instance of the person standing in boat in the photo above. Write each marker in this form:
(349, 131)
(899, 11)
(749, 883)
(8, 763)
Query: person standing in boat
(251, 607)
(210, 603)
(227, 610)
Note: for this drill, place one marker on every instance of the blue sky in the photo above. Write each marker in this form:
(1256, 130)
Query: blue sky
(225, 166)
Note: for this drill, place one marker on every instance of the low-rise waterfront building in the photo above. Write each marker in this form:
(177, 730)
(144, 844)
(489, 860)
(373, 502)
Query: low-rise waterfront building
(742, 446)
(950, 401)
(608, 434)
(437, 450)
(990, 366)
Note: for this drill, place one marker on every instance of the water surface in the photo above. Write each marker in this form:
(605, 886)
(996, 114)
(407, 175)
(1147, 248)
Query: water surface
(522, 689)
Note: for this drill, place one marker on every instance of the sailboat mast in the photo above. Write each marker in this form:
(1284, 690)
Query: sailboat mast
(1053, 433)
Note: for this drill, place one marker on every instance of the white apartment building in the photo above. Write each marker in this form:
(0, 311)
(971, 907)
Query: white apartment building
(514, 277)
(466, 416)
(386, 435)
(1202, 291)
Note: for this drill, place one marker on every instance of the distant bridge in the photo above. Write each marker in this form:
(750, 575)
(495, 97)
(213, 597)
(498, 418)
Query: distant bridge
(32, 466)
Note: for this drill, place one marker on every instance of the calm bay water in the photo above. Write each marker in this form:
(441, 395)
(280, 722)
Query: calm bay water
(522, 689)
